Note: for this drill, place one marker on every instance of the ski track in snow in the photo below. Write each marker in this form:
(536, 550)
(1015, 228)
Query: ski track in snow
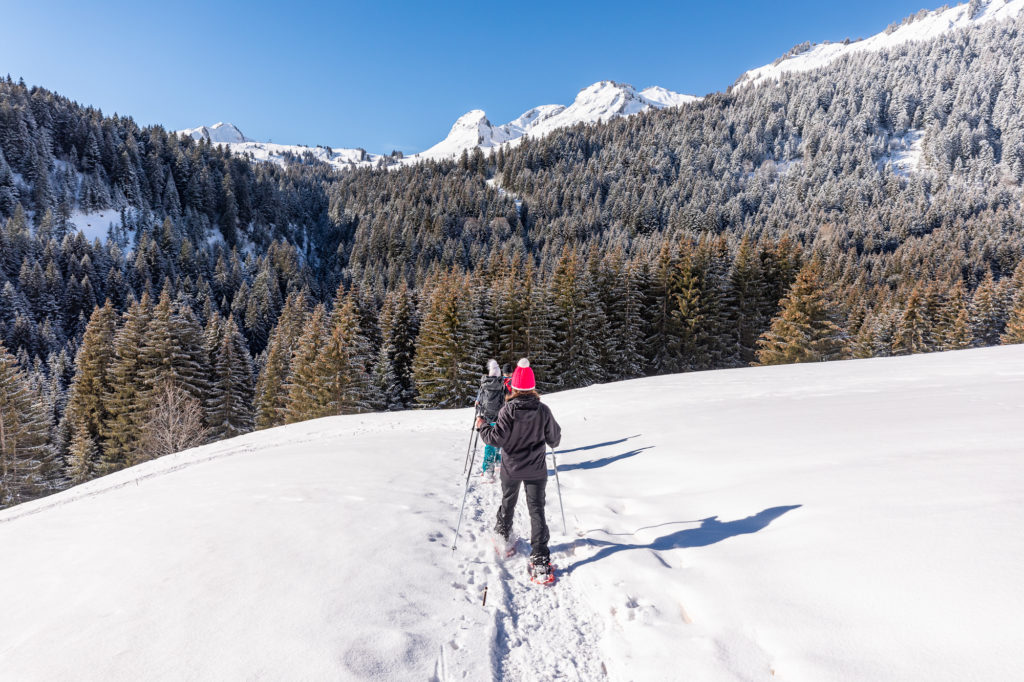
(540, 632)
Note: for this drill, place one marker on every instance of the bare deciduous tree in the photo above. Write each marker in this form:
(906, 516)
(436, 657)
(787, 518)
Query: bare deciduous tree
(175, 423)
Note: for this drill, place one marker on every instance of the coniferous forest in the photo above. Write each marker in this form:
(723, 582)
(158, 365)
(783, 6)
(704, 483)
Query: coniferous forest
(768, 224)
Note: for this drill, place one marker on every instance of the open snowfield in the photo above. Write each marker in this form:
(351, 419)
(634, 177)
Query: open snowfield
(845, 521)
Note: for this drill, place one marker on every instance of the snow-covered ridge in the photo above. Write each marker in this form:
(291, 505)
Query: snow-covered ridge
(599, 102)
(927, 26)
(218, 133)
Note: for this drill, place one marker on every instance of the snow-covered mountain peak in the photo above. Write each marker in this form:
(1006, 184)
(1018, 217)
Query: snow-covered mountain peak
(606, 100)
(218, 133)
(925, 25)
(471, 130)
(471, 119)
(599, 102)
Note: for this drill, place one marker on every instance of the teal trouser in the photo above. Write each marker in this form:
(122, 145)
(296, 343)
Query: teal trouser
(492, 455)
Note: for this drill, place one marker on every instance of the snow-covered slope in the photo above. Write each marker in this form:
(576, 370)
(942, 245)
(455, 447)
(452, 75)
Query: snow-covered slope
(218, 133)
(341, 158)
(924, 26)
(846, 521)
(599, 102)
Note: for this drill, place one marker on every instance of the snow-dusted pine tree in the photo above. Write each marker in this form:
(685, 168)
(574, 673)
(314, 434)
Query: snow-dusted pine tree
(445, 368)
(125, 397)
(24, 432)
(805, 329)
(229, 407)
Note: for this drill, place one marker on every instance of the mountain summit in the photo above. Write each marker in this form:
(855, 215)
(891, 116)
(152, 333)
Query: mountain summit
(599, 102)
(218, 133)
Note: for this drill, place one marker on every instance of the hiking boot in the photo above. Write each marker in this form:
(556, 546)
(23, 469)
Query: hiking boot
(540, 573)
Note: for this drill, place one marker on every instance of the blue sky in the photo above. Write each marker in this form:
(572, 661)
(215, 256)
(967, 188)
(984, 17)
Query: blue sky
(389, 75)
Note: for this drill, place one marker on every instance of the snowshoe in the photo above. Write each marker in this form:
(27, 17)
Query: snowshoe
(502, 547)
(542, 574)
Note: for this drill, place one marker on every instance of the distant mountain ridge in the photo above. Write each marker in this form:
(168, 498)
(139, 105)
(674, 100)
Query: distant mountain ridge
(600, 102)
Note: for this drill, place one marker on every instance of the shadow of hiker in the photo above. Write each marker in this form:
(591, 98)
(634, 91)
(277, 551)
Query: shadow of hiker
(598, 463)
(597, 445)
(711, 530)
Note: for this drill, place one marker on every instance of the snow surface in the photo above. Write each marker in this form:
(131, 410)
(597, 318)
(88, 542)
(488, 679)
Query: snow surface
(905, 153)
(933, 25)
(96, 224)
(845, 521)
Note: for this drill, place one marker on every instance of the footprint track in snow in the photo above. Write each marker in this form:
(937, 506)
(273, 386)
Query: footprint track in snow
(540, 632)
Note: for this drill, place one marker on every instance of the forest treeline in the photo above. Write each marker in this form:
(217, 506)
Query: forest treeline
(870, 208)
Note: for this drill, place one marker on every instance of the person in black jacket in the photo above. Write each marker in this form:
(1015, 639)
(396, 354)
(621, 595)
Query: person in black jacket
(489, 401)
(523, 430)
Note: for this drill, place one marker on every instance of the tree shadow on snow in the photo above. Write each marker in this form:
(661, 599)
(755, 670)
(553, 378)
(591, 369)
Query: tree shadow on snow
(597, 445)
(598, 463)
(711, 530)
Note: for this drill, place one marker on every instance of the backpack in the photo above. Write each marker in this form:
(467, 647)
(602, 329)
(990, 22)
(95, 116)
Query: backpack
(491, 397)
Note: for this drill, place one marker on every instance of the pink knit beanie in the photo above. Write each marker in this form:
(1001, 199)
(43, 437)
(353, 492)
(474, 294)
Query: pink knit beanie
(522, 377)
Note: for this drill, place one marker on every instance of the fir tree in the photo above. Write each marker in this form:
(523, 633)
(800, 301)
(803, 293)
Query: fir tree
(748, 287)
(691, 313)
(124, 400)
(955, 323)
(987, 314)
(173, 350)
(663, 324)
(445, 367)
(24, 432)
(86, 407)
(577, 323)
(804, 330)
(1015, 327)
(343, 383)
(399, 326)
(271, 392)
(304, 398)
(84, 456)
(913, 333)
(387, 388)
(230, 409)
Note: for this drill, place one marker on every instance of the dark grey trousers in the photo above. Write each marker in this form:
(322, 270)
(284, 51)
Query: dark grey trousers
(539, 535)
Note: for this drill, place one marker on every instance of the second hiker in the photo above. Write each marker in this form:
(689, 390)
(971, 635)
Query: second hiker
(489, 400)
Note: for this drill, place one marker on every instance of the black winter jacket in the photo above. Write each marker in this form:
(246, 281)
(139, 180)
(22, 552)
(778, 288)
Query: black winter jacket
(524, 426)
(491, 397)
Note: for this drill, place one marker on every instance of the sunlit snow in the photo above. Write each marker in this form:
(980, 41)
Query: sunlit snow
(845, 521)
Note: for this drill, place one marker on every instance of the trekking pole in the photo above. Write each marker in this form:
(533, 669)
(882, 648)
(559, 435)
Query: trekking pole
(558, 484)
(469, 473)
(472, 435)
